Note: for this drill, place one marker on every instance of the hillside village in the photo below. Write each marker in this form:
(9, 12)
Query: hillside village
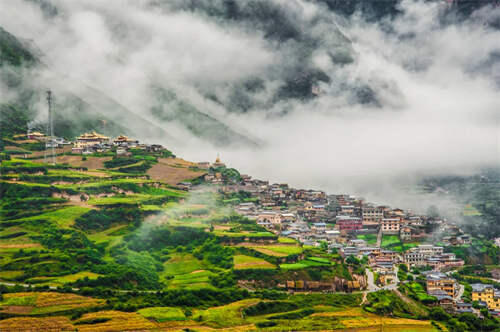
(369, 247)
(344, 223)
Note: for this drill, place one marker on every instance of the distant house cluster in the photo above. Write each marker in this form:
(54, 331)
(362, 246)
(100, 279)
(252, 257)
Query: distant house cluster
(430, 255)
(50, 142)
(93, 142)
(342, 223)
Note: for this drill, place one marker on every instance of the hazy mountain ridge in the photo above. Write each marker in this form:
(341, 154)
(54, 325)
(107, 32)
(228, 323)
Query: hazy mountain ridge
(80, 108)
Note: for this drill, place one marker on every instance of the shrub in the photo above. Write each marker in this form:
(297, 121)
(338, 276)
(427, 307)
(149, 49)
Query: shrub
(266, 324)
(264, 308)
(102, 219)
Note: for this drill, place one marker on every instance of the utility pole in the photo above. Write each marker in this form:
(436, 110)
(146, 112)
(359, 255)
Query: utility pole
(49, 143)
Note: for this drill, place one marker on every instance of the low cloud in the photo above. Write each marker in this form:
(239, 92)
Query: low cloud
(394, 99)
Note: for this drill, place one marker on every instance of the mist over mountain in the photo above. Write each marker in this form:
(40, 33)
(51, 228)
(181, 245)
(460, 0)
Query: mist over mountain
(342, 95)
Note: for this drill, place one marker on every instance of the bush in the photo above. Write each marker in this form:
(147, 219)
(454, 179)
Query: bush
(438, 313)
(93, 321)
(266, 324)
(215, 254)
(264, 308)
(155, 238)
(102, 219)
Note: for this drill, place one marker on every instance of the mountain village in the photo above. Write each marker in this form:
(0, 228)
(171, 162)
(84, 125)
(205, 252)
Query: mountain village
(340, 223)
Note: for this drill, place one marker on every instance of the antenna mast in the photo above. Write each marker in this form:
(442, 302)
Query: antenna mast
(49, 143)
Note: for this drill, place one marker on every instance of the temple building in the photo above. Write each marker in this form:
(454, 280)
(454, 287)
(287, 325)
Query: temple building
(218, 163)
(90, 139)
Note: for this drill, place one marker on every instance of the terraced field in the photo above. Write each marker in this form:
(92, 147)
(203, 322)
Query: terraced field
(356, 319)
(198, 279)
(275, 250)
(243, 262)
(77, 161)
(61, 280)
(163, 314)
(110, 321)
(34, 303)
(37, 324)
(224, 316)
(173, 171)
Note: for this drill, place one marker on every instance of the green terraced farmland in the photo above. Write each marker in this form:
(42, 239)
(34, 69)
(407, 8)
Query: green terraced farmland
(195, 280)
(278, 250)
(162, 314)
(181, 264)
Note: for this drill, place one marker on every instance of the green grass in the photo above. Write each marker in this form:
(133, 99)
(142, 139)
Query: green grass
(20, 301)
(59, 281)
(8, 275)
(151, 208)
(109, 234)
(103, 183)
(224, 316)
(119, 199)
(403, 246)
(180, 263)
(286, 240)
(305, 263)
(293, 266)
(370, 239)
(279, 250)
(136, 198)
(64, 217)
(249, 235)
(388, 240)
(193, 280)
(185, 271)
(319, 260)
(419, 292)
(162, 314)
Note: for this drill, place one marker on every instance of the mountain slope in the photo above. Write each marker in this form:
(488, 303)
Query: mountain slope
(80, 108)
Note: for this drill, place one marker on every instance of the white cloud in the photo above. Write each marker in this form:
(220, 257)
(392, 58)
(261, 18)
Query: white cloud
(435, 83)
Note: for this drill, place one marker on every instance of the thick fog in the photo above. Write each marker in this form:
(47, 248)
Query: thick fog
(326, 101)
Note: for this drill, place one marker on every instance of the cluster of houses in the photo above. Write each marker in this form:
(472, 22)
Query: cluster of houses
(433, 256)
(313, 217)
(54, 142)
(487, 296)
(89, 143)
(446, 290)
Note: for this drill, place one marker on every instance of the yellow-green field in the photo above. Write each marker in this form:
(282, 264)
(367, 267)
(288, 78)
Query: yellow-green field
(242, 262)
(282, 250)
(35, 303)
(162, 314)
(60, 281)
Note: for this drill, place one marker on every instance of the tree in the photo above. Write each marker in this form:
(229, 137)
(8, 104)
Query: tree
(438, 313)
(324, 246)
(352, 260)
